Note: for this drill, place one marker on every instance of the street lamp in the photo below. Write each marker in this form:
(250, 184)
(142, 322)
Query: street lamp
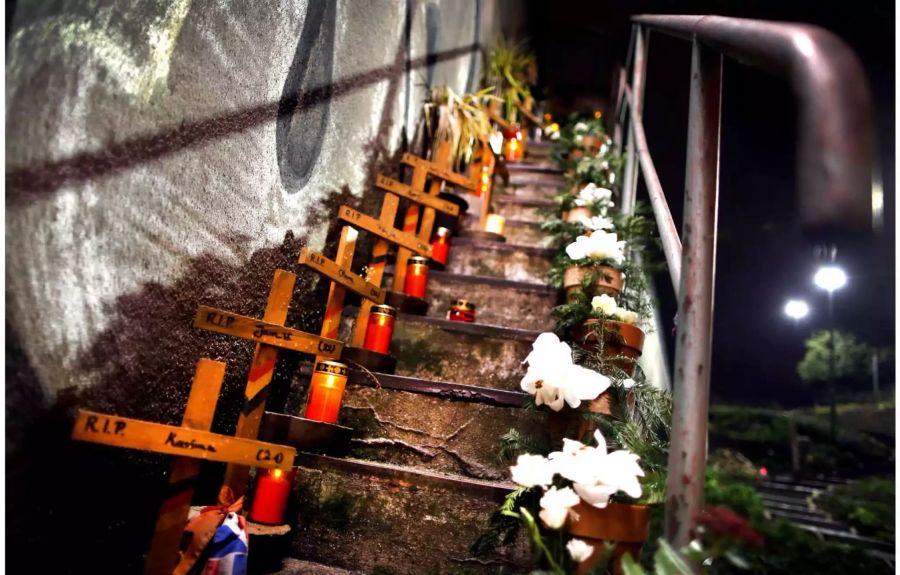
(831, 278)
(796, 309)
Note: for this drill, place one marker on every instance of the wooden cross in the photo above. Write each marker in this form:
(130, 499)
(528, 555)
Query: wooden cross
(342, 279)
(481, 171)
(269, 335)
(440, 172)
(189, 442)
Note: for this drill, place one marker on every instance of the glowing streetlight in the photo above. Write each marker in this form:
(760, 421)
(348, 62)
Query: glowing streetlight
(796, 309)
(830, 278)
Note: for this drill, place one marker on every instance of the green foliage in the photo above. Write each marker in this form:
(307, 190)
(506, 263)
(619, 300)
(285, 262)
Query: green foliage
(852, 363)
(867, 505)
(514, 443)
(507, 70)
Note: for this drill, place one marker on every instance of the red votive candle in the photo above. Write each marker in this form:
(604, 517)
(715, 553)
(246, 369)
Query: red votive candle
(326, 388)
(440, 246)
(515, 146)
(416, 276)
(273, 487)
(380, 328)
(462, 310)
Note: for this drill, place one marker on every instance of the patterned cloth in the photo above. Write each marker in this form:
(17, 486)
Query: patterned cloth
(228, 549)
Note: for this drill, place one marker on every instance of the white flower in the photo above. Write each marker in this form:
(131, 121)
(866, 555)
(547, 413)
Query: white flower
(554, 135)
(625, 315)
(553, 378)
(596, 474)
(531, 470)
(555, 505)
(599, 246)
(596, 223)
(604, 148)
(627, 383)
(581, 127)
(604, 304)
(579, 550)
(592, 194)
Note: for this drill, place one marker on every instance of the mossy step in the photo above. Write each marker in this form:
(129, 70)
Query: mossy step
(536, 179)
(498, 301)
(538, 164)
(505, 260)
(298, 567)
(517, 231)
(383, 518)
(524, 208)
(469, 353)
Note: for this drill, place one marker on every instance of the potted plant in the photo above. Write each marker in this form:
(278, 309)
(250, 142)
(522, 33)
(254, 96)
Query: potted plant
(591, 264)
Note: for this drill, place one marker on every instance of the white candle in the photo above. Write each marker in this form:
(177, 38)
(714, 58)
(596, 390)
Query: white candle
(495, 223)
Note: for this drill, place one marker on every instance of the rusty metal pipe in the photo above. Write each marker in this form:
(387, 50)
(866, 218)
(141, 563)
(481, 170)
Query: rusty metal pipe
(687, 452)
(635, 105)
(834, 160)
(668, 232)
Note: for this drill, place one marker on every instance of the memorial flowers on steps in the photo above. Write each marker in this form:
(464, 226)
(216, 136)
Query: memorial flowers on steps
(554, 379)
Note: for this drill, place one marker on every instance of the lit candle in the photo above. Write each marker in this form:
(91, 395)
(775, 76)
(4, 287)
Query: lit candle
(380, 328)
(440, 245)
(416, 276)
(273, 487)
(326, 388)
(462, 310)
(485, 185)
(495, 223)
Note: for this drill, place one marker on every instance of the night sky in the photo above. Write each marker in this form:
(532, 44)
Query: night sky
(763, 257)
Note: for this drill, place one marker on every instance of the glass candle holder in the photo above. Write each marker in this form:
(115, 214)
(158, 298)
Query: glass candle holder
(416, 276)
(273, 487)
(325, 391)
(462, 310)
(495, 223)
(380, 329)
(440, 245)
(515, 146)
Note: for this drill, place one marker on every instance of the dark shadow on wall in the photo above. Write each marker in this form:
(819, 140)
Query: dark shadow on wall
(95, 506)
(24, 184)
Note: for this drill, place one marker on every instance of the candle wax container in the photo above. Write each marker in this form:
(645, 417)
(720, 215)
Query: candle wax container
(380, 329)
(440, 246)
(462, 310)
(273, 487)
(515, 148)
(416, 276)
(326, 388)
(495, 223)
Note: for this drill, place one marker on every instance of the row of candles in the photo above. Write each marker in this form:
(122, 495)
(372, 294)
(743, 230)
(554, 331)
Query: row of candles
(329, 378)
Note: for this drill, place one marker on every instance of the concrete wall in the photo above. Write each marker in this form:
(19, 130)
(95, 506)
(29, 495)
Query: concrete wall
(164, 154)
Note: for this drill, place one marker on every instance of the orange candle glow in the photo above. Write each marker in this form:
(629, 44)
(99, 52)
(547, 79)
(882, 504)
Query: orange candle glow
(273, 487)
(380, 328)
(416, 276)
(440, 245)
(495, 223)
(485, 185)
(325, 391)
(515, 144)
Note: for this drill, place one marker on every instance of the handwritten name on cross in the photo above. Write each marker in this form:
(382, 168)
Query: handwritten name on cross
(269, 335)
(190, 443)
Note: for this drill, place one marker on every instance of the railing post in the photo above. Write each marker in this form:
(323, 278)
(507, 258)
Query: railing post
(638, 73)
(687, 454)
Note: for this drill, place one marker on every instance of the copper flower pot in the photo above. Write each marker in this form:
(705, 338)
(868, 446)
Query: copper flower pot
(576, 214)
(622, 342)
(609, 280)
(569, 423)
(591, 144)
(628, 526)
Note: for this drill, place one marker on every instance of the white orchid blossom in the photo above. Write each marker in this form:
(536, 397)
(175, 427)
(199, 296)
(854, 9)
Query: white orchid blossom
(596, 223)
(593, 194)
(596, 474)
(581, 127)
(531, 470)
(627, 383)
(605, 304)
(599, 246)
(579, 550)
(555, 505)
(554, 379)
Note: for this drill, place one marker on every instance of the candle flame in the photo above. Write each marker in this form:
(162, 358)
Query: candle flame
(277, 473)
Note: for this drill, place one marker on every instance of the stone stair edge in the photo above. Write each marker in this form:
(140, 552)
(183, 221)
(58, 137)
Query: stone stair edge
(503, 246)
(497, 490)
(451, 277)
(476, 329)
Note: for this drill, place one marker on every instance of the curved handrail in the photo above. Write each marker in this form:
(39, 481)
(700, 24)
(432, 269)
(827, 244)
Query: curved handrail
(835, 134)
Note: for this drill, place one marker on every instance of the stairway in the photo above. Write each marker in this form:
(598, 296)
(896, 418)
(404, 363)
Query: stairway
(792, 500)
(423, 476)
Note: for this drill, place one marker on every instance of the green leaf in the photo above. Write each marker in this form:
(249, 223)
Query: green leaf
(669, 562)
(629, 567)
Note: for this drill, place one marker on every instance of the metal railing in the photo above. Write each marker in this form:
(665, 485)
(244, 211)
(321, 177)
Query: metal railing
(834, 163)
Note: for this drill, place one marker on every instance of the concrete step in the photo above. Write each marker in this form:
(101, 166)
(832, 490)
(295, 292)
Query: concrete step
(540, 164)
(498, 301)
(298, 567)
(517, 231)
(801, 502)
(504, 260)
(785, 487)
(377, 517)
(801, 519)
(440, 426)
(536, 180)
(526, 209)
(469, 353)
(849, 538)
